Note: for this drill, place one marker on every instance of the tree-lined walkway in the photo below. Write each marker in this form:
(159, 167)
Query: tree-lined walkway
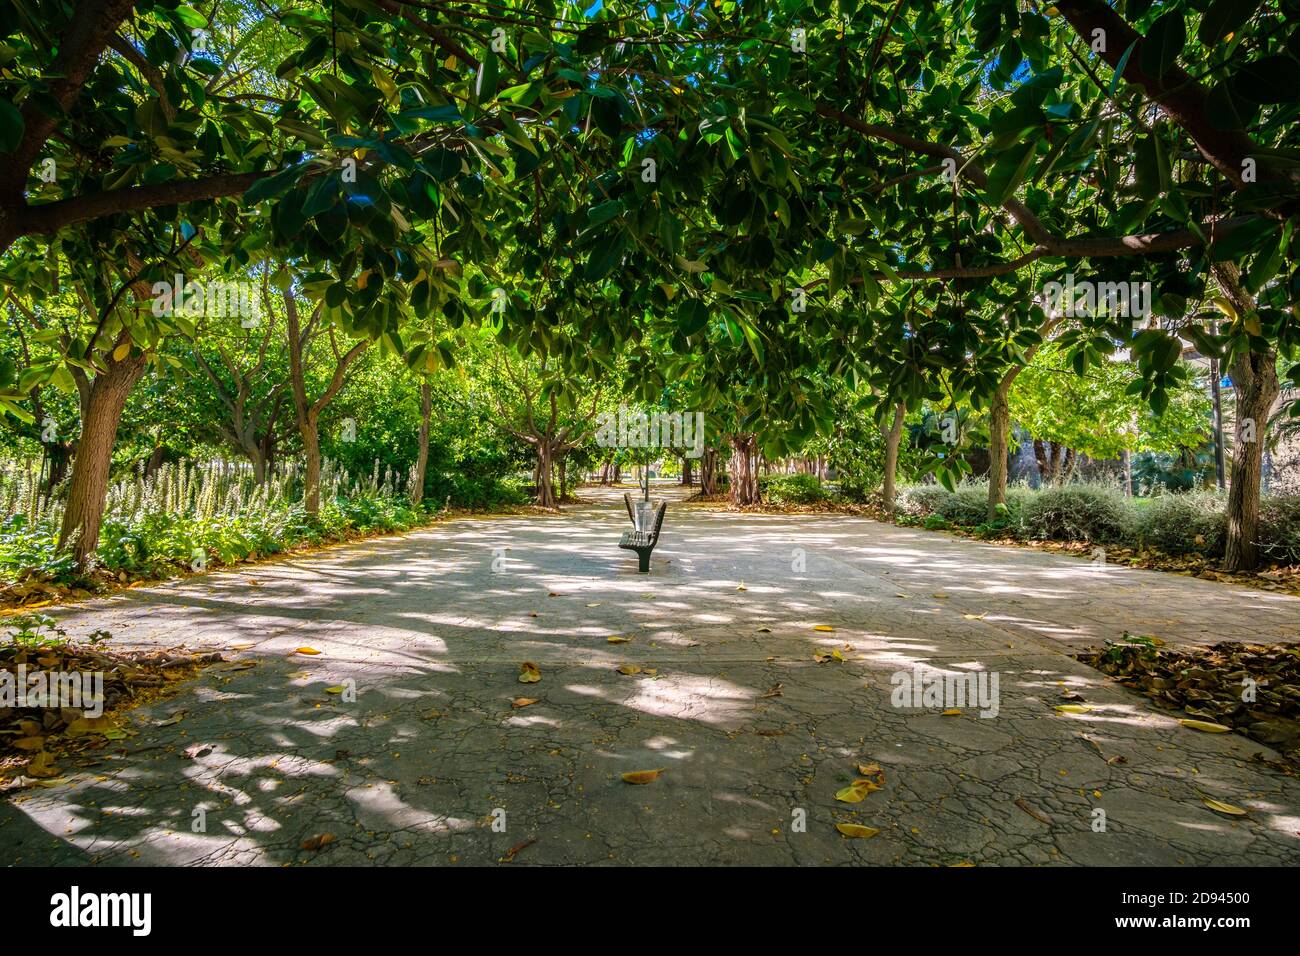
(730, 702)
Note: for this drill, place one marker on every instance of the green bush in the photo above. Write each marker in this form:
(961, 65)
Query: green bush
(1081, 512)
(1279, 528)
(921, 501)
(797, 489)
(1174, 522)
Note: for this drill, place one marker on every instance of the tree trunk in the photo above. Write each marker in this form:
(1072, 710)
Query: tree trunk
(564, 475)
(422, 457)
(709, 472)
(542, 476)
(893, 438)
(686, 472)
(310, 431)
(102, 413)
(744, 481)
(999, 439)
(1254, 379)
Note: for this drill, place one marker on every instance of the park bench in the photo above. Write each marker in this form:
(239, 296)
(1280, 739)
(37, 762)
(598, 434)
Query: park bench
(642, 542)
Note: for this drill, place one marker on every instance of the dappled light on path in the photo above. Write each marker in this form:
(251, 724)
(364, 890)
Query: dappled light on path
(755, 687)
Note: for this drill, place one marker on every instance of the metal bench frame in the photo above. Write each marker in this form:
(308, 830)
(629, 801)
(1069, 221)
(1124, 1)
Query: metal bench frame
(642, 542)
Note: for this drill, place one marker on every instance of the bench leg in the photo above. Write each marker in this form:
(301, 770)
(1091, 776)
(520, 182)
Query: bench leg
(643, 560)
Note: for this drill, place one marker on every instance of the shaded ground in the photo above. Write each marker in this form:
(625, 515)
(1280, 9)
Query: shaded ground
(417, 769)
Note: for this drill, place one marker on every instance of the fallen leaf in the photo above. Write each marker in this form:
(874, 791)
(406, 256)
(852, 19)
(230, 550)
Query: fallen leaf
(242, 645)
(641, 776)
(1204, 726)
(1227, 808)
(30, 743)
(856, 830)
(338, 689)
(594, 604)
(528, 673)
(1072, 708)
(510, 853)
(1036, 814)
(951, 712)
(615, 639)
(823, 627)
(519, 702)
(857, 791)
(89, 725)
(306, 650)
(629, 669)
(176, 717)
(742, 587)
(316, 842)
(41, 766)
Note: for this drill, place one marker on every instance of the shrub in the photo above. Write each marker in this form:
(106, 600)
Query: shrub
(1081, 512)
(921, 501)
(797, 489)
(1279, 528)
(1186, 523)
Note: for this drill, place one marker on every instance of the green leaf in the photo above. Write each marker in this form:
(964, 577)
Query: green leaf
(1224, 17)
(1009, 172)
(692, 317)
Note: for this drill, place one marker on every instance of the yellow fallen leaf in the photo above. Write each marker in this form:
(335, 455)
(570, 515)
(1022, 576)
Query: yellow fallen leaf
(1072, 708)
(41, 766)
(30, 743)
(528, 673)
(89, 725)
(870, 769)
(335, 690)
(1227, 808)
(309, 651)
(823, 627)
(615, 639)
(951, 712)
(629, 669)
(940, 595)
(641, 776)
(1205, 726)
(519, 702)
(857, 791)
(856, 830)
(742, 587)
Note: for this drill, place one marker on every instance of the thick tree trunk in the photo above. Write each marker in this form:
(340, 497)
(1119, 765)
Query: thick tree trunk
(542, 476)
(686, 471)
(893, 438)
(422, 456)
(709, 472)
(1254, 379)
(999, 440)
(102, 411)
(744, 481)
(310, 431)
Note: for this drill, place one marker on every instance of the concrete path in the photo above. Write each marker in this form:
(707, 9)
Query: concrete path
(430, 764)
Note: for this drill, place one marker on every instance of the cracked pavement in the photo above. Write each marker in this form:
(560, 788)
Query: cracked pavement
(431, 765)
